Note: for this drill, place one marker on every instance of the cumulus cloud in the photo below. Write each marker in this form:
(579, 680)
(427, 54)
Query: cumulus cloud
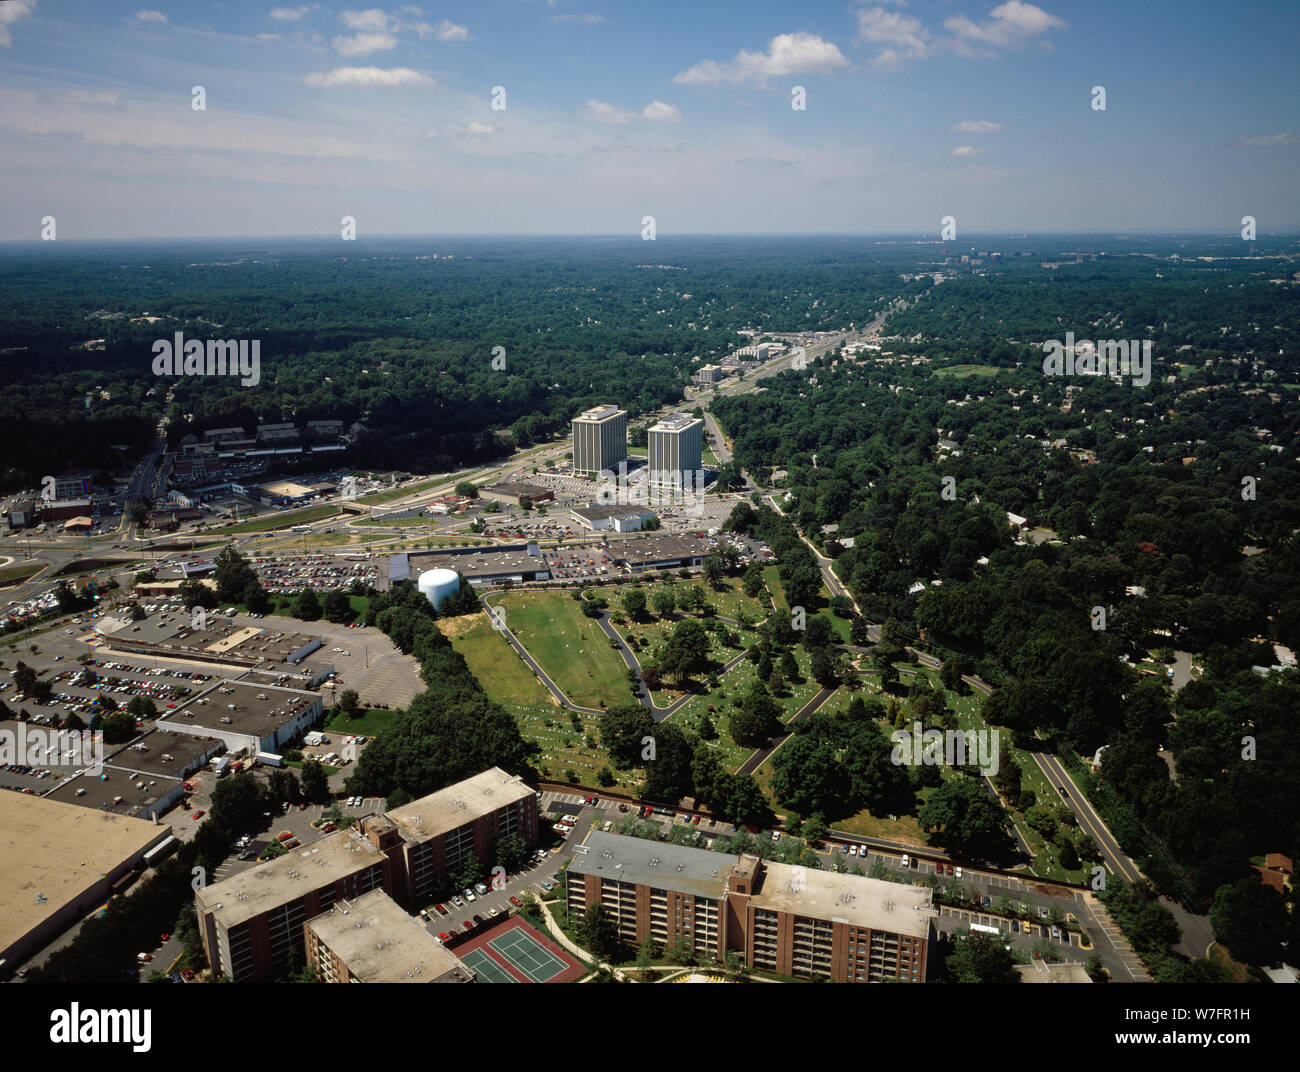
(977, 126)
(362, 44)
(966, 150)
(787, 54)
(291, 14)
(11, 13)
(904, 36)
(600, 112)
(443, 30)
(368, 76)
(372, 18)
(1011, 23)
(665, 113)
(148, 15)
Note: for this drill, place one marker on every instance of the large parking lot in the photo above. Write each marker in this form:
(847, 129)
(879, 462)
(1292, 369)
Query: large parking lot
(286, 574)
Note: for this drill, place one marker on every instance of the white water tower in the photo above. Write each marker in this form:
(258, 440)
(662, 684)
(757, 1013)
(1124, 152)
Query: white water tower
(437, 584)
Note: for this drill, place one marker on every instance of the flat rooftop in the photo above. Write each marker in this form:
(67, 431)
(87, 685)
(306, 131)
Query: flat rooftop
(483, 562)
(52, 852)
(619, 858)
(601, 512)
(117, 790)
(657, 549)
(380, 943)
(600, 413)
(164, 752)
(453, 807)
(242, 897)
(253, 709)
(851, 899)
(678, 422)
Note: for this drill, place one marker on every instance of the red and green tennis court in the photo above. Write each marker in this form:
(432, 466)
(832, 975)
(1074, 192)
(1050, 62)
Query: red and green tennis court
(518, 954)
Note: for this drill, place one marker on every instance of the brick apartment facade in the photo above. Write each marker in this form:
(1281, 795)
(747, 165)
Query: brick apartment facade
(253, 922)
(790, 920)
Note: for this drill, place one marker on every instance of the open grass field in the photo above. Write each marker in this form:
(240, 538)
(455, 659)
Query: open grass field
(963, 372)
(572, 649)
(279, 520)
(503, 675)
(396, 493)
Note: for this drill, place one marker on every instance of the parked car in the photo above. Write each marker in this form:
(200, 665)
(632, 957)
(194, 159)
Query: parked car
(1015, 926)
(198, 814)
(440, 909)
(906, 860)
(516, 902)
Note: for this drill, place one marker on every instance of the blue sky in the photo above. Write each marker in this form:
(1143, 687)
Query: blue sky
(614, 111)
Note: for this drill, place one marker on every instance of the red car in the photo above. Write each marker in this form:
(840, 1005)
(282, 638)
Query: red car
(302, 807)
(198, 814)
(444, 936)
(516, 902)
(440, 909)
(187, 973)
(468, 925)
(164, 937)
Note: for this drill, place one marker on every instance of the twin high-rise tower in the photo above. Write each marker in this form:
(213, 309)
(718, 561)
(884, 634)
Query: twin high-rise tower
(599, 440)
(675, 454)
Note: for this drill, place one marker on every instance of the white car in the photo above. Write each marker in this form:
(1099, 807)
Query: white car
(468, 895)
(957, 873)
(906, 861)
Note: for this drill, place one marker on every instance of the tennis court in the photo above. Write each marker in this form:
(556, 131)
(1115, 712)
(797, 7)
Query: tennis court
(487, 969)
(527, 954)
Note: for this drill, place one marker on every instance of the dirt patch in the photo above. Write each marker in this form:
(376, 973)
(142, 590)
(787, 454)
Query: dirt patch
(459, 625)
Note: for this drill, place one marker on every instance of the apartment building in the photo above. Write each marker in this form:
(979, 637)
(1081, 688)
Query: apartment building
(599, 440)
(252, 924)
(790, 920)
(373, 940)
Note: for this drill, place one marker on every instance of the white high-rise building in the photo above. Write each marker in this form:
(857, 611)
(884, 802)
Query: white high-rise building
(599, 440)
(676, 446)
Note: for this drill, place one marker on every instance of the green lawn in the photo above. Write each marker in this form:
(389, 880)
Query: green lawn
(503, 675)
(371, 723)
(572, 649)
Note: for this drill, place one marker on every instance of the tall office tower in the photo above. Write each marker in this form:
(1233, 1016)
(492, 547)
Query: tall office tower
(599, 440)
(676, 445)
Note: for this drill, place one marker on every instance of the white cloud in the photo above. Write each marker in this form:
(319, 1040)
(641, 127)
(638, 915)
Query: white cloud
(269, 37)
(442, 31)
(370, 19)
(368, 76)
(11, 13)
(905, 36)
(966, 150)
(794, 53)
(600, 112)
(363, 44)
(578, 18)
(146, 15)
(665, 113)
(1008, 24)
(1273, 139)
(290, 14)
(454, 130)
(977, 126)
